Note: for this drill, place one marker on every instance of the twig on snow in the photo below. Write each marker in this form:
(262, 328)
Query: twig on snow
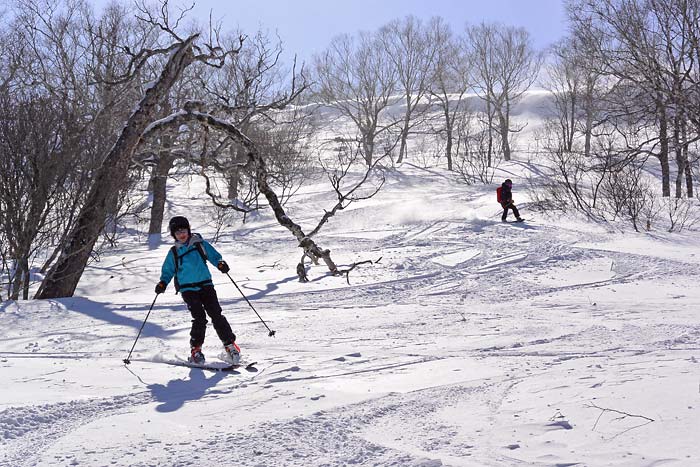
(346, 272)
(623, 415)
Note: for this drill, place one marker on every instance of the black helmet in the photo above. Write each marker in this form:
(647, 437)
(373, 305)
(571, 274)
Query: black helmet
(508, 182)
(178, 222)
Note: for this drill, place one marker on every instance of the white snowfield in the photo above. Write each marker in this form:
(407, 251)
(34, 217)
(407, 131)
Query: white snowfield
(470, 343)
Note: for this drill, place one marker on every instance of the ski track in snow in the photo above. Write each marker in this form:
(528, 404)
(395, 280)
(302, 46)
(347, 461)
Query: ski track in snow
(471, 343)
(24, 429)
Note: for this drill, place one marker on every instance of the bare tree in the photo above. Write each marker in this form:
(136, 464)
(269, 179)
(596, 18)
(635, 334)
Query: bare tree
(449, 82)
(65, 274)
(412, 49)
(572, 84)
(475, 159)
(505, 66)
(258, 166)
(628, 193)
(36, 167)
(647, 46)
(246, 88)
(338, 170)
(355, 77)
(279, 140)
(52, 62)
(576, 179)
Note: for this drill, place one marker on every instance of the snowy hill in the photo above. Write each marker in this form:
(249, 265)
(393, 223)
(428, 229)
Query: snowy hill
(471, 343)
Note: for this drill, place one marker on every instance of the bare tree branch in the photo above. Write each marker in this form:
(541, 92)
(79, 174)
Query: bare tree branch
(346, 272)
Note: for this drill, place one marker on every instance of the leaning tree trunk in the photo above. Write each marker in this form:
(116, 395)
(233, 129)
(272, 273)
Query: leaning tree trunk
(63, 277)
(261, 177)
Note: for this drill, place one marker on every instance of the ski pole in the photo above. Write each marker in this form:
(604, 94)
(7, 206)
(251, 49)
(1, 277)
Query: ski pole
(272, 333)
(126, 360)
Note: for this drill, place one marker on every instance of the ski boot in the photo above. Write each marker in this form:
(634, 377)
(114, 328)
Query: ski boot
(196, 355)
(232, 354)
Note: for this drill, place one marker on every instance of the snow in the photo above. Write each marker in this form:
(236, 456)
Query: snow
(471, 343)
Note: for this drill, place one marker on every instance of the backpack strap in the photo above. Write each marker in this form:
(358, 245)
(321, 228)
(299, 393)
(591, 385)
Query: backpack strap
(202, 253)
(178, 259)
(177, 266)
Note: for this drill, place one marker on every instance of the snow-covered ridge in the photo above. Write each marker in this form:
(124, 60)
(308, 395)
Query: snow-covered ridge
(536, 103)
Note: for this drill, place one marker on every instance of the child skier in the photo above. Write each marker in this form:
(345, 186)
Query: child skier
(505, 197)
(187, 263)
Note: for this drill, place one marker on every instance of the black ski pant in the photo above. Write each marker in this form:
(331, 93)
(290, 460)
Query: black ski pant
(201, 303)
(505, 211)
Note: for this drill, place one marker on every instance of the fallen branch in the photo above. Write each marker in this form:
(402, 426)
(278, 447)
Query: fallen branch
(622, 417)
(269, 266)
(346, 272)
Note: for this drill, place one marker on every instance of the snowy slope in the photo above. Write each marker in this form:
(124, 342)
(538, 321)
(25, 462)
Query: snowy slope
(471, 343)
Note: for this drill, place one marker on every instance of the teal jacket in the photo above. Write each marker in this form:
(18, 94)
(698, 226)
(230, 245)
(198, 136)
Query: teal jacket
(192, 270)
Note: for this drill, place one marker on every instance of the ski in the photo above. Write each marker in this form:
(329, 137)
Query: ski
(210, 366)
(516, 221)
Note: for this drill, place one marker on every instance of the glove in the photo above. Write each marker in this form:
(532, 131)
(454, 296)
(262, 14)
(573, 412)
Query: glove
(160, 287)
(223, 267)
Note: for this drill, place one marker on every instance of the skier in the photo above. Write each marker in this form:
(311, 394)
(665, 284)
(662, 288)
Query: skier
(186, 262)
(505, 197)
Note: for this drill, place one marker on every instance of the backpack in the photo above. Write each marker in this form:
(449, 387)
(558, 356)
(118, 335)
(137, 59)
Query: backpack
(499, 197)
(197, 247)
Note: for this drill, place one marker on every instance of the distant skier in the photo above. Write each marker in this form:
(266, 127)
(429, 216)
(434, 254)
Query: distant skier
(186, 262)
(504, 195)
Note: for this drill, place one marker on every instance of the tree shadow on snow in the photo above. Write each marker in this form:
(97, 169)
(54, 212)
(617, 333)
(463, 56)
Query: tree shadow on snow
(173, 395)
(105, 312)
(258, 294)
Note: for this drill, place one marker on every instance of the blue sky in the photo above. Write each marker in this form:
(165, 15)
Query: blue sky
(307, 26)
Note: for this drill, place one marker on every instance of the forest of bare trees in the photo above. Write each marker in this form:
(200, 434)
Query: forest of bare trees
(101, 112)
(626, 83)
